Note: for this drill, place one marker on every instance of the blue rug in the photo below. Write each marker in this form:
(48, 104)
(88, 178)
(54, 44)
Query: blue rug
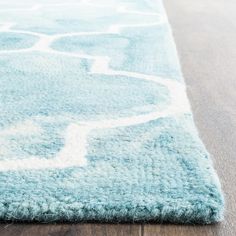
(95, 123)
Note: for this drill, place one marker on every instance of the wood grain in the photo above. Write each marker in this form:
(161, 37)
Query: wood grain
(178, 230)
(70, 230)
(205, 33)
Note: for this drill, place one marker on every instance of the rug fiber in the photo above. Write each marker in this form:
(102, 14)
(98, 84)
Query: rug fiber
(95, 123)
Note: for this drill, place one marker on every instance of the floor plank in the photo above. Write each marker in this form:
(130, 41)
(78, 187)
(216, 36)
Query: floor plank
(70, 229)
(205, 35)
(178, 230)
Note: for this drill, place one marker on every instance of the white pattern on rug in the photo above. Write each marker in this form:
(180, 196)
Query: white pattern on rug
(75, 149)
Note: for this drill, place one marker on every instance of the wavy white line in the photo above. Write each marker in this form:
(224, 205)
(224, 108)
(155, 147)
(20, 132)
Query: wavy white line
(75, 148)
(35, 7)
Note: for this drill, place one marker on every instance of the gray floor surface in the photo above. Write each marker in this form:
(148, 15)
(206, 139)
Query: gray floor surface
(205, 35)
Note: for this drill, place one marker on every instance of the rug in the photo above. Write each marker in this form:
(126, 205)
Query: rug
(95, 124)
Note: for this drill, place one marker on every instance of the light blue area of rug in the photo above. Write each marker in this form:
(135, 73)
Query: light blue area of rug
(95, 123)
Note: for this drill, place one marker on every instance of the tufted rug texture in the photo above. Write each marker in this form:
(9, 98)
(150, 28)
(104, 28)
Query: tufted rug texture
(95, 124)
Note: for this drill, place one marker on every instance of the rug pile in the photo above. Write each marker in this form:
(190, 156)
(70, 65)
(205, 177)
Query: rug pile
(95, 123)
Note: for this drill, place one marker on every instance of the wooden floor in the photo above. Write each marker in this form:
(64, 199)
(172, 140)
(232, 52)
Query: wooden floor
(205, 33)
(108, 230)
